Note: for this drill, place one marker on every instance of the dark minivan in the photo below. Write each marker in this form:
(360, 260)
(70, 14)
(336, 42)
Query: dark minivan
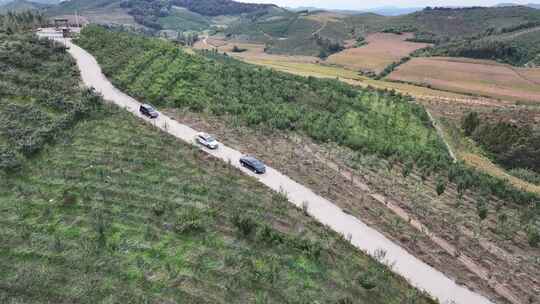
(253, 164)
(148, 110)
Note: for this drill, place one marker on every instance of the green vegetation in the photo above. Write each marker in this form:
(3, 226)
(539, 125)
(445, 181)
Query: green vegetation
(526, 175)
(499, 33)
(237, 49)
(327, 110)
(389, 69)
(115, 211)
(127, 214)
(366, 120)
(360, 42)
(512, 146)
(11, 22)
(154, 14)
(220, 7)
(21, 6)
(34, 110)
(286, 32)
(181, 19)
(519, 50)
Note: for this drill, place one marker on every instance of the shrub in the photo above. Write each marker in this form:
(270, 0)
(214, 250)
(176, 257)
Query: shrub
(533, 236)
(69, 196)
(236, 49)
(441, 185)
(158, 208)
(9, 161)
(245, 224)
(190, 220)
(482, 209)
(470, 122)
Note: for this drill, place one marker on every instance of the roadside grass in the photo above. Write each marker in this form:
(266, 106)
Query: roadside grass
(118, 211)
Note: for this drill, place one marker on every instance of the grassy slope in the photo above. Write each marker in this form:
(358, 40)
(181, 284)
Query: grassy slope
(132, 214)
(115, 211)
(34, 110)
(182, 19)
(286, 32)
(20, 6)
(325, 110)
(367, 121)
(70, 7)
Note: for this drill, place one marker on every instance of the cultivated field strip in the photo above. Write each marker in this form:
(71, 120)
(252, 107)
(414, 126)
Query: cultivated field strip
(363, 237)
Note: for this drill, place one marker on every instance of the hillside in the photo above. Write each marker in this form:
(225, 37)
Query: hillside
(21, 6)
(305, 125)
(476, 32)
(100, 207)
(296, 33)
(467, 28)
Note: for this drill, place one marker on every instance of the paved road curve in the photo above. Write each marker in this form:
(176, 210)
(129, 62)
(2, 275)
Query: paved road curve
(363, 237)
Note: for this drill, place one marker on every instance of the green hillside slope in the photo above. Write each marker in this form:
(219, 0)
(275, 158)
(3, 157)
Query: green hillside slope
(107, 209)
(21, 6)
(327, 110)
(499, 33)
(364, 120)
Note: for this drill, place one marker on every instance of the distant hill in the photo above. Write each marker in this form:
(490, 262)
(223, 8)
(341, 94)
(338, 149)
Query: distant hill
(384, 10)
(160, 14)
(220, 7)
(20, 6)
(531, 5)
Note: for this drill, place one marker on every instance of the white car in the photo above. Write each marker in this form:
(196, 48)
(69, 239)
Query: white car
(207, 141)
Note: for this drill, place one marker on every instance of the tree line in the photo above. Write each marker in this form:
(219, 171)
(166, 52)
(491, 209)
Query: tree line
(513, 146)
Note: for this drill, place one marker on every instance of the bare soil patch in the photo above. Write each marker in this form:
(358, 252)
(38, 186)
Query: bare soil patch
(382, 50)
(481, 77)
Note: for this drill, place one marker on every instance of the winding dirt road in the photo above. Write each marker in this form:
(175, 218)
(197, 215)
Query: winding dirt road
(363, 237)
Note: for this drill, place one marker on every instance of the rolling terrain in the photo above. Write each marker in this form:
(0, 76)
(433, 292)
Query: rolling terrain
(484, 78)
(371, 120)
(382, 50)
(376, 162)
(99, 207)
(21, 6)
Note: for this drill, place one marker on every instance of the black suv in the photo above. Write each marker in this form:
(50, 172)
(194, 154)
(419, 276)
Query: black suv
(149, 111)
(253, 164)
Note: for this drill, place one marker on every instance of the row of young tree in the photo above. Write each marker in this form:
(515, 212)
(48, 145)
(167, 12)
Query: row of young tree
(365, 120)
(36, 80)
(13, 22)
(510, 145)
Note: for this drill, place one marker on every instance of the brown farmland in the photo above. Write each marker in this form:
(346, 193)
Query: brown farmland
(382, 50)
(478, 77)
